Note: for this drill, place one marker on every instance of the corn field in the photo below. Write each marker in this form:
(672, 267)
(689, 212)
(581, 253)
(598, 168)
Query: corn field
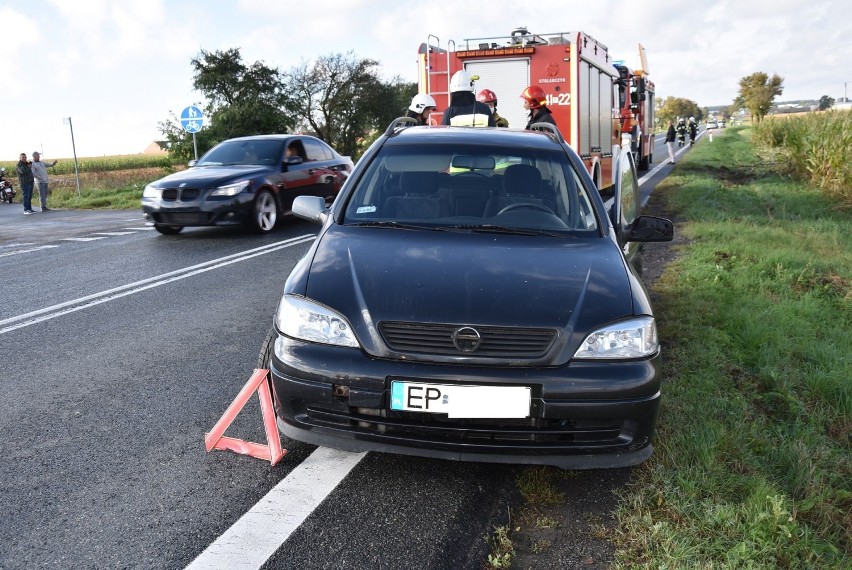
(815, 147)
(114, 182)
(65, 166)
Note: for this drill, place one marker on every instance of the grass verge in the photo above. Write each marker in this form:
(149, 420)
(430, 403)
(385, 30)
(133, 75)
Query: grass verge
(752, 464)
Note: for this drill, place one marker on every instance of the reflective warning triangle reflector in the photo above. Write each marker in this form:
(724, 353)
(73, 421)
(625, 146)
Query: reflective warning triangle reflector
(272, 451)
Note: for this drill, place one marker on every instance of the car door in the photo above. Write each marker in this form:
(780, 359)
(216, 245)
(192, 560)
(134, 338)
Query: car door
(299, 174)
(625, 208)
(325, 169)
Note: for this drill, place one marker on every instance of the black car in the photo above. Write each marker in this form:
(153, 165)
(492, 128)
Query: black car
(247, 180)
(470, 297)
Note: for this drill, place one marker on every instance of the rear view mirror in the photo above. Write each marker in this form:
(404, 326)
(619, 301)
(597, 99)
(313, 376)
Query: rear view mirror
(473, 162)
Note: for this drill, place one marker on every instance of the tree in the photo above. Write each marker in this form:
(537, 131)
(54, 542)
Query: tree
(341, 99)
(757, 92)
(826, 102)
(242, 100)
(673, 108)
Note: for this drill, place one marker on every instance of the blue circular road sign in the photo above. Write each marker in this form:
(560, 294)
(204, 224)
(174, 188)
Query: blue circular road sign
(192, 119)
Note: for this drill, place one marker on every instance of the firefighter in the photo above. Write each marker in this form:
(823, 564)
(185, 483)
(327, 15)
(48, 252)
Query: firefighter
(535, 101)
(488, 97)
(693, 131)
(681, 131)
(464, 109)
(421, 106)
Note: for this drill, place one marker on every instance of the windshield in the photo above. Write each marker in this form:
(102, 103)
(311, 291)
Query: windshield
(244, 152)
(476, 188)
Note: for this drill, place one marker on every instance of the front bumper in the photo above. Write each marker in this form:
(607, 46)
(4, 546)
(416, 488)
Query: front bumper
(228, 211)
(583, 415)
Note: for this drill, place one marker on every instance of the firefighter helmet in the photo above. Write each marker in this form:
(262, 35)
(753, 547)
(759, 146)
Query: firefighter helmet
(421, 102)
(535, 96)
(486, 96)
(462, 81)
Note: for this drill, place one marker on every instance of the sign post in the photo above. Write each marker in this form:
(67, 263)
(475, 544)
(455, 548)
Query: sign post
(192, 119)
(67, 121)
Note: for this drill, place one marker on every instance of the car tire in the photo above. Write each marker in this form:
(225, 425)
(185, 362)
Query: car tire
(266, 349)
(264, 212)
(168, 230)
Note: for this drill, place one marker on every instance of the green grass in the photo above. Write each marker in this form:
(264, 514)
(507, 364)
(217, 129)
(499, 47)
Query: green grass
(752, 465)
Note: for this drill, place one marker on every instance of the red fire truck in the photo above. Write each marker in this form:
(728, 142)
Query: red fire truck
(575, 70)
(636, 104)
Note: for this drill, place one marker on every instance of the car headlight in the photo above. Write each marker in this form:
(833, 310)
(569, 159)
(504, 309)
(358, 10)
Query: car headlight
(230, 189)
(636, 338)
(151, 192)
(300, 318)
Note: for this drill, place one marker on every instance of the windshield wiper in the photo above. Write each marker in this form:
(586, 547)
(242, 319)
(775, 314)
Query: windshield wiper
(391, 224)
(496, 229)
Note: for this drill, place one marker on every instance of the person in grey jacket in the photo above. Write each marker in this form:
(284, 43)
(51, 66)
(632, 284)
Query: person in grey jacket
(40, 174)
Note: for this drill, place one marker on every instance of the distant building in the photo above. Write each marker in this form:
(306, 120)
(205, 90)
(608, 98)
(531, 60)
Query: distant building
(157, 147)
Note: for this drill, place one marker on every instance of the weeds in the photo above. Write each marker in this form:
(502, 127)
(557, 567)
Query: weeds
(816, 148)
(752, 466)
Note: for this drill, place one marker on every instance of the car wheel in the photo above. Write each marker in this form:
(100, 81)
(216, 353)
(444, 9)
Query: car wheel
(266, 349)
(265, 212)
(168, 230)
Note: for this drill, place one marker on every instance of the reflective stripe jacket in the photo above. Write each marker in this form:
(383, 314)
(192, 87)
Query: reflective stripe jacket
(477, 115)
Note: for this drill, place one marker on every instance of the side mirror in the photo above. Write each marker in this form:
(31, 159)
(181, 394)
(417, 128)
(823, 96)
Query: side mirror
(650, 229)
(191, 163)
(311, 208)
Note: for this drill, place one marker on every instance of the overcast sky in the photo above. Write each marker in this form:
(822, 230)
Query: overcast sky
(117, 68)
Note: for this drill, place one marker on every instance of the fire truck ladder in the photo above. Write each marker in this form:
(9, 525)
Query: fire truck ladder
(451, 47)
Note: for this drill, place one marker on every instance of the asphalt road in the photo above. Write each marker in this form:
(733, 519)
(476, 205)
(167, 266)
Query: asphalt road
(120, 348)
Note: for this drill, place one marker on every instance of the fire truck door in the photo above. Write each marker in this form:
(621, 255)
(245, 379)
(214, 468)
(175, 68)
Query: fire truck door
(507, 78)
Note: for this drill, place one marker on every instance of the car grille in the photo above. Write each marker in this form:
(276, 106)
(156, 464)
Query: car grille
(183, 218)
(496, 342)
(184, 194)
(536, 435)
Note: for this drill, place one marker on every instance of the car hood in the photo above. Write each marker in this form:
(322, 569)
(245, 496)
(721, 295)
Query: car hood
(372, 275)
(211, 176)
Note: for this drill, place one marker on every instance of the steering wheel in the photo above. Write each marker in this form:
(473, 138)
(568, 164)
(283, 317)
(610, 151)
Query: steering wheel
(530, 205)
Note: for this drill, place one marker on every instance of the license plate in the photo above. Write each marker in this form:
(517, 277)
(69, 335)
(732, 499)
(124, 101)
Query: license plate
(461, 401)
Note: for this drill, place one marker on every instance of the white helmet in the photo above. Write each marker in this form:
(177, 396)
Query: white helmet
(421, 101)
(692, 119)
(462, 81)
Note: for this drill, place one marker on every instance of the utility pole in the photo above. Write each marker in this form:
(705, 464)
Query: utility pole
(67, 121)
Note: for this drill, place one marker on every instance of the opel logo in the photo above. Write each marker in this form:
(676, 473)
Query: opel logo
(467, 339)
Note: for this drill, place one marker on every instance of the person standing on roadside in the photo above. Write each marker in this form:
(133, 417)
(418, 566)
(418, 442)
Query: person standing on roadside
(39, 170)
(421, 107)
(670, 140)
(488, 97)
(25, 178)
(464, 109)
(535, 101)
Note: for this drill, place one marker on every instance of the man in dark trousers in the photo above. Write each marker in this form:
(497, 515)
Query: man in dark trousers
(25, 177)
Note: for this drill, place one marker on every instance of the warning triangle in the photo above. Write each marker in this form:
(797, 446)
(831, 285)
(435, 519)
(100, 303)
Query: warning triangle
(272, 451)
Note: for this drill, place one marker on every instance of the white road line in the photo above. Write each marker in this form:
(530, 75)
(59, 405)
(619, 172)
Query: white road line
(112, 233)
(32, 249)
(264, 528)
(55, 311)
(143, 229)
(83, 238)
